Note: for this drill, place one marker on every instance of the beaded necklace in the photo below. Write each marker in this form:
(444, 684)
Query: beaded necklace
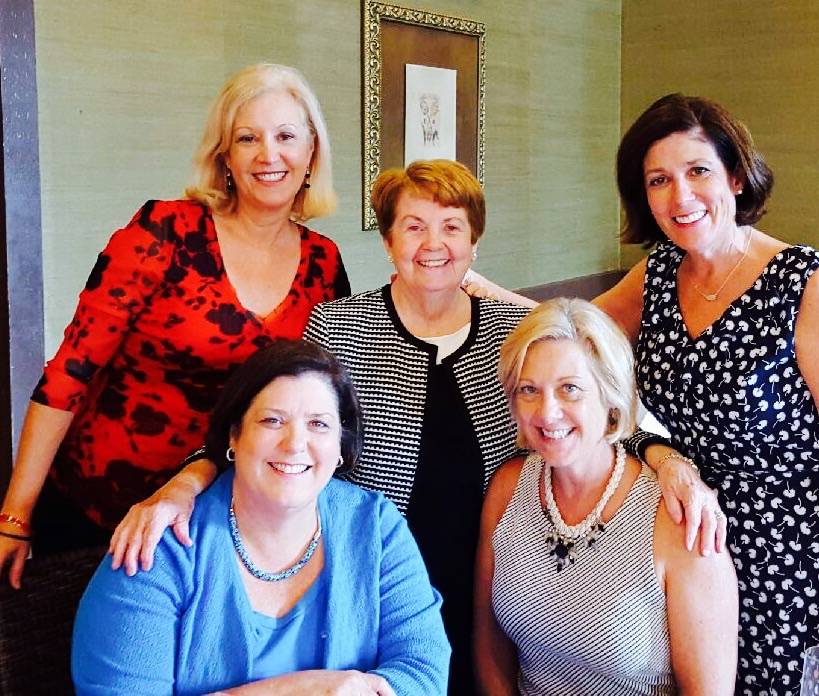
(257, 572)
(565, 537)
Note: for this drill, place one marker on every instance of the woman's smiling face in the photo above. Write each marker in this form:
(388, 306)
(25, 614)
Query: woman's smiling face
(689, 191)
(558, 405)
(288, 444)
(431, 245)
(270, 151)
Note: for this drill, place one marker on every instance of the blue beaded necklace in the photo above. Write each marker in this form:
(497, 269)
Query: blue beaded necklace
(257, 572)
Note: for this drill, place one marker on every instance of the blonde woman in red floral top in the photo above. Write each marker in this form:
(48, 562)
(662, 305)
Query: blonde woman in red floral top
(181, 295)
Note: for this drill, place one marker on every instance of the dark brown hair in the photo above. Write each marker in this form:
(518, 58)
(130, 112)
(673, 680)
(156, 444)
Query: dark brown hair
(677, 113)
(285, 358)
(448, 183)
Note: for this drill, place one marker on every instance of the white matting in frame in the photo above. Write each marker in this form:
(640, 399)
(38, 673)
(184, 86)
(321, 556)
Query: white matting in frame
(429, 117)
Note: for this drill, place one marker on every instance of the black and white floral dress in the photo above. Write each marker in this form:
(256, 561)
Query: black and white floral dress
(735, 401)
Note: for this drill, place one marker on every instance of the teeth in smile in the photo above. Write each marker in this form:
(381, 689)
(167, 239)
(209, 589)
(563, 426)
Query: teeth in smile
(555, 434)
(270, 176)
(289, 468)
(434, 264)
(691, 217)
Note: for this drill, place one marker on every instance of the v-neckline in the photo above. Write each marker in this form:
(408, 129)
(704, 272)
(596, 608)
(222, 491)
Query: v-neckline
(276, 311)
(678, 313)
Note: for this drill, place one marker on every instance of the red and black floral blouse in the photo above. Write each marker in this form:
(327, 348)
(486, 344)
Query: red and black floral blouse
(157, 330)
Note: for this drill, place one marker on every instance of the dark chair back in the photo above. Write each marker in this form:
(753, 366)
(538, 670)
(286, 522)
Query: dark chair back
(36, 623)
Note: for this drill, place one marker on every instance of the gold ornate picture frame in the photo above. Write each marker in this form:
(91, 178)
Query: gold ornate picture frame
(394, 36)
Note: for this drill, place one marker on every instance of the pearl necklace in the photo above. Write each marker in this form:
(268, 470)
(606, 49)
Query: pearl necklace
(257, 572)
(712, 296)
(566, 537)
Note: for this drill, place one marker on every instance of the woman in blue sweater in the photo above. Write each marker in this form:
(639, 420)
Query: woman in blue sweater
(296, 583)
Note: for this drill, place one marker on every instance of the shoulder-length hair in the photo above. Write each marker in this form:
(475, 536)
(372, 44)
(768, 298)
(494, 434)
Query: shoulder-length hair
(210, 185)
(608, 350)
(285, 358)
(677, 113)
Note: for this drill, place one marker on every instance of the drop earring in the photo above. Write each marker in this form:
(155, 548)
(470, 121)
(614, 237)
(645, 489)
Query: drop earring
(306, 184)
(229, 185)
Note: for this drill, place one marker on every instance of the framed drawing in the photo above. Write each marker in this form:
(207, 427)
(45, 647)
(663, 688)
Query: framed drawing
(424, 87)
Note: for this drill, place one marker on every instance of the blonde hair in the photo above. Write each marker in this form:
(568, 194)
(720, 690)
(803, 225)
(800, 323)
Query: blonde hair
(210, 186)
(608, 351)
(446, 182)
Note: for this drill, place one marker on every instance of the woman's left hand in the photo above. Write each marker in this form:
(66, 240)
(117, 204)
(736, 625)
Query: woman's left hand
(688, 499)
(136, 537)
(316, 681)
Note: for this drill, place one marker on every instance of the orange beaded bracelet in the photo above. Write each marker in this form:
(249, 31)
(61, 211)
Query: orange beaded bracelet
(16, 521)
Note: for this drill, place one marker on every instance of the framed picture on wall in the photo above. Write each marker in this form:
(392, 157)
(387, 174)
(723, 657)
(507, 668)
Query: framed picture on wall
(424, 88)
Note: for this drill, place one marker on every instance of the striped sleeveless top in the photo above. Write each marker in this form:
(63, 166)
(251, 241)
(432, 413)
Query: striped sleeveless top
(596, 627)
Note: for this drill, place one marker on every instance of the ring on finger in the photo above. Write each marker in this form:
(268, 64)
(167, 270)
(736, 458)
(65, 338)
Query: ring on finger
(720, 515)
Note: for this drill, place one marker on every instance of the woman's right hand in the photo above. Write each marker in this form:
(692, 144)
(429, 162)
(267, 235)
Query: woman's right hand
(14, 554)
(44, 428)
(476, 285)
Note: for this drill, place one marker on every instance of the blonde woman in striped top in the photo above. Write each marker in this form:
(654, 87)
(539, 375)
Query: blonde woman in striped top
(584, 584)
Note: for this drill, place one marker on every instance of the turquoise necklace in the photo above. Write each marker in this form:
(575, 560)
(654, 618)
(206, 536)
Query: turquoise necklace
(257, 572)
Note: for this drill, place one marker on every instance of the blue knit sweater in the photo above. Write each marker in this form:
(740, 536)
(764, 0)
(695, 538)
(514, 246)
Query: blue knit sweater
(184, 627)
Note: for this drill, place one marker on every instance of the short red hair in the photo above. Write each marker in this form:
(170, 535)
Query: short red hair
(446, 182)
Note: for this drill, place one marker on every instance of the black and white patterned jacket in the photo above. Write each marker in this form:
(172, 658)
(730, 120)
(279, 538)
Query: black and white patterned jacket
(389, 367)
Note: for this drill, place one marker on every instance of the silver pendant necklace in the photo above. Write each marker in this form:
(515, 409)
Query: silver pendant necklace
(257, 572)
(713, 296)
(564, 538)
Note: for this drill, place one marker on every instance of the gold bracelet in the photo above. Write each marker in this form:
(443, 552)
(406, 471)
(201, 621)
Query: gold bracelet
(16, 521)
(676, 455)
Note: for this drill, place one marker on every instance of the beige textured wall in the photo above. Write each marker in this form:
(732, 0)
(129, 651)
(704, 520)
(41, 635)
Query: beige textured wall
(124, 86)
(760, 60)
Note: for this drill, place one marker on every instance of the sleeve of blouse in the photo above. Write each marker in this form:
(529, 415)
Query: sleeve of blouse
(640, 440)
(316, 329)
(412, 644)
(126, 274)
